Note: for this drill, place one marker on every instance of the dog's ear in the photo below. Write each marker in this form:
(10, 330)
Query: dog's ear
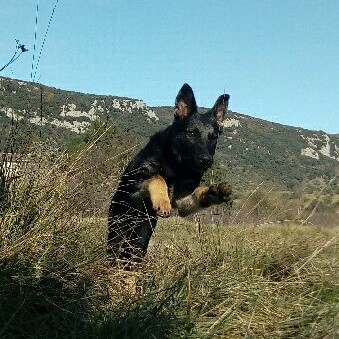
(185, 104)
(220, 108)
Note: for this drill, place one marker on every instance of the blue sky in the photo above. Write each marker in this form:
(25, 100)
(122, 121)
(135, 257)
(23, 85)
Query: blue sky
(278, 59)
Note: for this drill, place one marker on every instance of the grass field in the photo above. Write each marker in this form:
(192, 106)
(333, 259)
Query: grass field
(277, 281)
(199, 280)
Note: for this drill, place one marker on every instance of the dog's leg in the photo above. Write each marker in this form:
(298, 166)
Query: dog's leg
(204, 196)
(156, 189)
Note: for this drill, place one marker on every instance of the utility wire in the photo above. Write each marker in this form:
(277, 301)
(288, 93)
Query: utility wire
(35, 37)
(44, 40)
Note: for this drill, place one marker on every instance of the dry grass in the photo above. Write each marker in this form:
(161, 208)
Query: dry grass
(269, 281)
(266, 281)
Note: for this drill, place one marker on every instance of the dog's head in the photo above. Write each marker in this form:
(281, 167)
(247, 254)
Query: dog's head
(194, 135)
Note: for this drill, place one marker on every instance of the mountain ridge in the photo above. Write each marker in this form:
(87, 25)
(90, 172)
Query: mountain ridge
(249, 147)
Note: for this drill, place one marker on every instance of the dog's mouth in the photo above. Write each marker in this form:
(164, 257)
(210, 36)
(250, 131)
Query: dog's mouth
(203, 162)
(202, 167)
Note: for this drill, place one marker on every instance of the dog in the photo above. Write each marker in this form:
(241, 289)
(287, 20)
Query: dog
(175, 158)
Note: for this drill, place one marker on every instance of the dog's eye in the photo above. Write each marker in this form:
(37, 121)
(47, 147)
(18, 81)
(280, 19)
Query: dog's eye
(192, 133)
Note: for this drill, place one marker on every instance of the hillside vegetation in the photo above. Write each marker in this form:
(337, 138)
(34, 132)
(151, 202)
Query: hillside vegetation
(250, 151)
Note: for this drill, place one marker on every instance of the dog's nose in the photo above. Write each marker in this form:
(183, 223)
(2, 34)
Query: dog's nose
(205, 160)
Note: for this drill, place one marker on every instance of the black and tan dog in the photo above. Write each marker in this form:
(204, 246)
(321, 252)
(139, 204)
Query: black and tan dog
(176, 158)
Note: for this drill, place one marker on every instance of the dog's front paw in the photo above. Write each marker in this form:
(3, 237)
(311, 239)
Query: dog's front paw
(163, 207)
(219, 193)
(225, 191)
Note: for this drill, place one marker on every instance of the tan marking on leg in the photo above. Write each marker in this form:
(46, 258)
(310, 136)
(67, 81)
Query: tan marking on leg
(200, 191)
(191, 203)
(203, 196)
(158, 193)
(216, 194)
